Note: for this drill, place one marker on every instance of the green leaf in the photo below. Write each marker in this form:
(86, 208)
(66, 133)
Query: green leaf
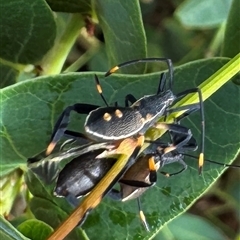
(8, 75)
(43, 190)
(51, 214)
(231, 45)
(70, 6)
(174, 195)
(29, 109)
(10, 186)
(35, 229)
(125, 17)
(47, 208)
(188, 227)
(8, 232)
(28, 33)
(203, 14)
(43, 99)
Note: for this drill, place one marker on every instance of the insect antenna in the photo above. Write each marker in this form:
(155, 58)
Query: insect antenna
(214, 162)
(99, 89)
(168, 61)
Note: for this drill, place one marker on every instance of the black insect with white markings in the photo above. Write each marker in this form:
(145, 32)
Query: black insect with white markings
(83, 173)
(113, 123)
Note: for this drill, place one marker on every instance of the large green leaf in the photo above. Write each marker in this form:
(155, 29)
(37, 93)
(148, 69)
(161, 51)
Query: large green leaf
(70, 6)
(122, 16)
(188, 227)
(30, 108)
(27, 32)
(231, 44)
(203, 14)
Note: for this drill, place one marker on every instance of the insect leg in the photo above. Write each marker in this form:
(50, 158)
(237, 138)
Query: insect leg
(129, 98)
(168, 61)
(180, 160)
(99, 89)
(162, 83)
(62, 122)
(142, 216)
(192, 108)
(179, 129)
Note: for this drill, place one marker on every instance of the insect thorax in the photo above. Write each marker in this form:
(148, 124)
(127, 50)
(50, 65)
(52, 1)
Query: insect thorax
(152, 107)
(113, 123)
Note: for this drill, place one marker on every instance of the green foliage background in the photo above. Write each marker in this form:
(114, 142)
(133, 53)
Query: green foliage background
(45, 52)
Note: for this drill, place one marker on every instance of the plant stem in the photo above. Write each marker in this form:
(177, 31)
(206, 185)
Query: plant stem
(213, 83)
(208, 88)
(84, 57)
(54, 60)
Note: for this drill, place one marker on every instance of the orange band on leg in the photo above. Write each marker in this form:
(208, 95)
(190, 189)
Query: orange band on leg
(50, 148)
(151, 164)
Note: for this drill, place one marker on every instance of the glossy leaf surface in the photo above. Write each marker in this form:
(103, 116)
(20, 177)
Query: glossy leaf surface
(44, 100)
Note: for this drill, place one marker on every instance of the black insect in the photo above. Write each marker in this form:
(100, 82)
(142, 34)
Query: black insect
(128, 148)
(82, 174)
(113, 123)
(47, 167)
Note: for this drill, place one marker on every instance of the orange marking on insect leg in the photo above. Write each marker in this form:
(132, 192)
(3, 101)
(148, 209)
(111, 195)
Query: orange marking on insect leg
(112, 70)
(151, 164)
(50, 148)
(143, 219)
(161, 126)
(99, 89)
(200, 162)
(169, 149)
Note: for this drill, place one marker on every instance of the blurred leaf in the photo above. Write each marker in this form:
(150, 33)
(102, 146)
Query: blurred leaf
(203, 14)
(70, 6)
(231, 45)
(125, 17)
(99, 61)
(35, 229)
(188, 227)
(51, 214)
(68, 26)
(10, 186)
(36, 187)
(47, 208)
(28, 33)
(189, 44)
(8, 232)
(43, 190)
(43, 99)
